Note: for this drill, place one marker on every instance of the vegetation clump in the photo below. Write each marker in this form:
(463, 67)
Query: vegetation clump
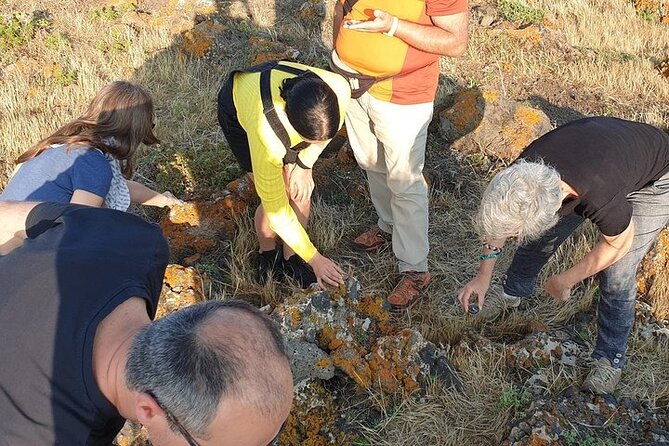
(518, 12)
(20, 28)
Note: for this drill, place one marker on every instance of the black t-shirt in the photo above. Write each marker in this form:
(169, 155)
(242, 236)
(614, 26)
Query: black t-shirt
(603, 159)
(78, 264)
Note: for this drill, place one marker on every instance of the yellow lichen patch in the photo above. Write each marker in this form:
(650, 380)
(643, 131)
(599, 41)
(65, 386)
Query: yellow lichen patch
(295, 317)
(324, 363)
(531, 35)
(312, 420)
(373, 307)
(179, 277)
(197, 226)
(491, 96)
(183, 286)
(326, 336)
(186, 213)
(392, 366)
(520, 131)
(653, 277)
(647, 6)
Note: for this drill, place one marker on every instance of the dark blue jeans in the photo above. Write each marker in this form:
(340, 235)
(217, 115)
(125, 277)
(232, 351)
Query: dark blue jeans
(617, 283)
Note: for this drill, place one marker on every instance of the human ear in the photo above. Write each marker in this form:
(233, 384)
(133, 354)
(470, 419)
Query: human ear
(147, 410)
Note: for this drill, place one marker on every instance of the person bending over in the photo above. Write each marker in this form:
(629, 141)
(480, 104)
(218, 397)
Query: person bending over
(608, 170)
(91, 159)
(277, 118)
(81, 354)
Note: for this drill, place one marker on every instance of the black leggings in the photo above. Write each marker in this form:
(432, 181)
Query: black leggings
(236, 136)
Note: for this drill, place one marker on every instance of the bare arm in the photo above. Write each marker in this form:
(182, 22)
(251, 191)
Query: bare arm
(141, 194)
(481, 282)
(446, 36)
(86, 198)
(13, 224)
(606, 252)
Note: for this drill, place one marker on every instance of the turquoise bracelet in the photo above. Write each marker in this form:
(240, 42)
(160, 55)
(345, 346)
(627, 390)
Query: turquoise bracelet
(492, 255)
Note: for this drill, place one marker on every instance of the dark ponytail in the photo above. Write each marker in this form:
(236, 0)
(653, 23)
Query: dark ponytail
(311, 106)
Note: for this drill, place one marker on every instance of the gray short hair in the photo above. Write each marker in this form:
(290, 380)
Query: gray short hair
(521, 201)
(193, 358)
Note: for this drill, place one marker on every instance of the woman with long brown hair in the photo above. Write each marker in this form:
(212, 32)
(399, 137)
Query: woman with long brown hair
(90, 160)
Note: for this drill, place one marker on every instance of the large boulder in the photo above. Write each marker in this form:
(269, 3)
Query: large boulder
(485, 121)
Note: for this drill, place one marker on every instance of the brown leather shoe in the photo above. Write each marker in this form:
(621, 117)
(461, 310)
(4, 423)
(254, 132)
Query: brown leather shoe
(372, 239)
(408, 290)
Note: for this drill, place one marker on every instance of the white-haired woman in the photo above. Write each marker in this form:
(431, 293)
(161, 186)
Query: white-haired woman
(611, 171)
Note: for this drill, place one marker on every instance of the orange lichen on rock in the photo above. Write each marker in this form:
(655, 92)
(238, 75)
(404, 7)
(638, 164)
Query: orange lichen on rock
(348, 359)
(653, 276)
(179, 278)
(313, 419)
(521, 130)
(197, 226)
(647, 6)
(266, 50)
(200, 39)
(182, 287)
(466, 114)
(530, 35)
(393, 363)
(295, 317)
(374, 307)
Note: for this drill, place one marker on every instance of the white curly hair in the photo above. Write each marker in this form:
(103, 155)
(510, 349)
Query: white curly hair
(521, 201)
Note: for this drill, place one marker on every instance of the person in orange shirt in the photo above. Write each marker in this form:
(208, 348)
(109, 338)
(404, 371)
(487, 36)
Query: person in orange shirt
(277, 118)
(389, 50)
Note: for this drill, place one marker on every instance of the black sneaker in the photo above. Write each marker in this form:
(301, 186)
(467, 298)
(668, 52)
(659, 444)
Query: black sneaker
(299, 270)
(269, 263)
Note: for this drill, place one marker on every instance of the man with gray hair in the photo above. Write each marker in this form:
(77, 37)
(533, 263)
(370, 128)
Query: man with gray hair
(608, 170)
(81, 354)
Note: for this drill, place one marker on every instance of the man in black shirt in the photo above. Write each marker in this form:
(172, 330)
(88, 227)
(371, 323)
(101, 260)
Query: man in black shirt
(80, 353)
(610, 171)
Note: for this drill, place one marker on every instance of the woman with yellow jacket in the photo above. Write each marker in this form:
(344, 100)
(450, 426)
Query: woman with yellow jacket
(277, 118)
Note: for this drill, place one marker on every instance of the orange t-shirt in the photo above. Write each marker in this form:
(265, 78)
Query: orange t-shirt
(376, 54)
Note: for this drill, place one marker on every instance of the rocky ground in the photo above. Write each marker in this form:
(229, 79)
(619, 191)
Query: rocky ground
(350, 352)
(364, 376)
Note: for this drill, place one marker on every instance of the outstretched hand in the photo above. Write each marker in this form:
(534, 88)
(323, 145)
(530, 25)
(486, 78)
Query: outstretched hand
(557, 288)
(170, 200)
(478, 286)
(327, 272)
(380, 24)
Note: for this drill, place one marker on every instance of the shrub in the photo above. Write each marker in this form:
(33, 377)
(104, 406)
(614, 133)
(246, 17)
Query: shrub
(516, 11)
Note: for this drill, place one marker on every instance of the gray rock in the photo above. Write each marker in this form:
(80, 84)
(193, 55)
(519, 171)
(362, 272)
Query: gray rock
(308, 361)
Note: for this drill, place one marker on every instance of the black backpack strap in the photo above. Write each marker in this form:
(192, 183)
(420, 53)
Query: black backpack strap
(269, 111)
(348, 5)
(265, 70)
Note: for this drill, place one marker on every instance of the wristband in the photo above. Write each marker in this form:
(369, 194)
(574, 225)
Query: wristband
(393, 27)
(492, 255)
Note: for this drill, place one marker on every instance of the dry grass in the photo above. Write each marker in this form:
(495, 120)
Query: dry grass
(443, 417)
(594, 53)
